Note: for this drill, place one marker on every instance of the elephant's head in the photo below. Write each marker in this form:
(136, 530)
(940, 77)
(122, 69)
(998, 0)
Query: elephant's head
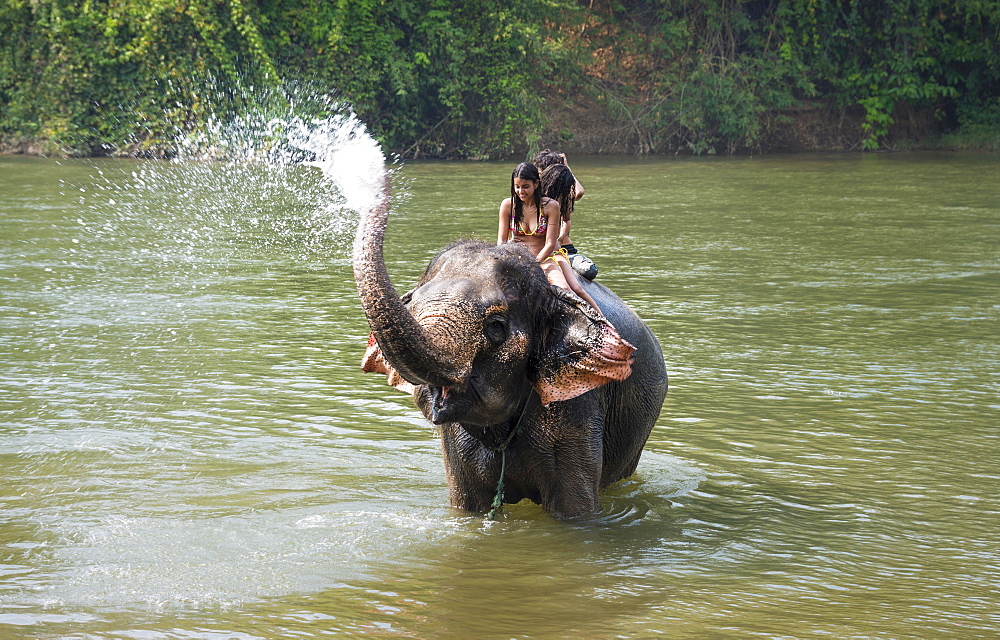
(480, 330)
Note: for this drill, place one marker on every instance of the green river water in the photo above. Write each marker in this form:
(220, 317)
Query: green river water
(190, 450)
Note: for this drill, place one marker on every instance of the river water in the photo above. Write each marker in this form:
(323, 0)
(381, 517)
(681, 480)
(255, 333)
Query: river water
(189, 448)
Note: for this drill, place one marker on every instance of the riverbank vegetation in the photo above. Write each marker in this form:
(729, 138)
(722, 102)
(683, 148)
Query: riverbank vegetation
(488, 78)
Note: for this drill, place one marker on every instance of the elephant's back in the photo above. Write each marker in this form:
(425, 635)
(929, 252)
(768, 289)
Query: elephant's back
(630, 326)
(633, 404)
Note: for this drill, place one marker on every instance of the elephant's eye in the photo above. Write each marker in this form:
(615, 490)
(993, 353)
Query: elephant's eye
(495, 328)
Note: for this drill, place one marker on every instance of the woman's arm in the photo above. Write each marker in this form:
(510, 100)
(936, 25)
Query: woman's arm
(503, 228)
(567, 224)
(579, 187)
(552, 231)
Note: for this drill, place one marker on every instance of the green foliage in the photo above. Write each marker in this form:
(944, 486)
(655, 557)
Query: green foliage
(435, 77)
(881, 55)
(725, 71)
(481, 78)
(87, 76)
(705, 75)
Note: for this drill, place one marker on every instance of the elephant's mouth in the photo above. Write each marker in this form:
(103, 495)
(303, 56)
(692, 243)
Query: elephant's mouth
(456, 403)
(443, 405)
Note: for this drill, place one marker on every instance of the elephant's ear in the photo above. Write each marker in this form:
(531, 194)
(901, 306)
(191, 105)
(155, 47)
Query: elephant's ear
(374, 362)
(585, 353)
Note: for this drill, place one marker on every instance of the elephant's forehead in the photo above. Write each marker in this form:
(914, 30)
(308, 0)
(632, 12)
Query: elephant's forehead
(451, 312)
(478, 265)
(457, 292)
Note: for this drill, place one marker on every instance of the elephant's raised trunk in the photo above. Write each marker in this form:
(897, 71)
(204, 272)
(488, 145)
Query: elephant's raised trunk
(404, 343)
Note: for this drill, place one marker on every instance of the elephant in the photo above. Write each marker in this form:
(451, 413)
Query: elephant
(532, 396)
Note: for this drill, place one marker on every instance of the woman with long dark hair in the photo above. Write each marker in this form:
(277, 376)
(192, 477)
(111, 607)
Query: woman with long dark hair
(532, 218)
(545, 160)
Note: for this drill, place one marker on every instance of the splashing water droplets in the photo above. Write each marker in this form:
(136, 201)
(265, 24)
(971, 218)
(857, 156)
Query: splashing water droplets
(269, 178)
(288, 149)
(354, 161)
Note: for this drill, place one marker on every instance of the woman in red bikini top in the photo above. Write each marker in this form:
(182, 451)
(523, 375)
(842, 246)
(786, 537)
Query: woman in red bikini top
(528, 217)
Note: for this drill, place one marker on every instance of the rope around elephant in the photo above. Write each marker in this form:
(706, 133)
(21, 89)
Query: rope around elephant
(502, 450)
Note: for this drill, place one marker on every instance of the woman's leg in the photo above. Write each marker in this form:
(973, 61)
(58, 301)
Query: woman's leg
(554, 273)
(562, 275)
(574, 284)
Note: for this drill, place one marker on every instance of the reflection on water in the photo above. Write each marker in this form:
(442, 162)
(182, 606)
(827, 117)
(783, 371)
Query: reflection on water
(190, 450)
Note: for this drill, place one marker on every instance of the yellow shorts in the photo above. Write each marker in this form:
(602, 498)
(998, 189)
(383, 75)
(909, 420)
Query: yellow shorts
(557, 255)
